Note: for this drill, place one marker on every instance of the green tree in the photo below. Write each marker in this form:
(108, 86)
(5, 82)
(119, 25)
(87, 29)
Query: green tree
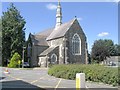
(102, 49)
(0, 42)
(15, 61)
(13, 33)
(117, 50)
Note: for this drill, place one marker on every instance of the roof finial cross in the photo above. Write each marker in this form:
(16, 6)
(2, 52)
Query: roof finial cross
(58, 2)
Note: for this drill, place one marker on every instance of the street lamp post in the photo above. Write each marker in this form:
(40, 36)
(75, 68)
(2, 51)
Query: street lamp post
(23, 58)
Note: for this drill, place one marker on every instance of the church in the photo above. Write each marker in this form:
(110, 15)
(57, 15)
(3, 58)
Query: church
(66, 43)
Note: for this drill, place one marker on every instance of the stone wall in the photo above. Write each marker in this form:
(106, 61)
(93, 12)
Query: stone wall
(58, 42)
(46, 59)
(36, 50)
(75, 28)
(42, 61)
(55, 42)
(55, 51)
(65, 46)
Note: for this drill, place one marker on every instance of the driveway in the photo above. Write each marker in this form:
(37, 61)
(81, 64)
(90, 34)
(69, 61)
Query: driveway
(38, 78)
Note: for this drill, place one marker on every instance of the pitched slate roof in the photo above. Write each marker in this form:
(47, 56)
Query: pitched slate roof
(46, 32)
(41, 38)
(60, 31)
(47, 51)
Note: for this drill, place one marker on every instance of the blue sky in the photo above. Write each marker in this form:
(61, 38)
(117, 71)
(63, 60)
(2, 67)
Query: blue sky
(99, 20)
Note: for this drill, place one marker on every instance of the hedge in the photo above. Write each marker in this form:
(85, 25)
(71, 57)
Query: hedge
(95, 73)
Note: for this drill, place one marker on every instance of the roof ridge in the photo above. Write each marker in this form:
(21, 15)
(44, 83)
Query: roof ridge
(61, 30)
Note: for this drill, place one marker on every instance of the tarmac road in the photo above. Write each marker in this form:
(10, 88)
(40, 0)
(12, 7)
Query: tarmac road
(38, 78)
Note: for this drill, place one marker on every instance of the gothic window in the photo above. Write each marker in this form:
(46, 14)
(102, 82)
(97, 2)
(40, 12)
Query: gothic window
(76, 44)
(53, 58)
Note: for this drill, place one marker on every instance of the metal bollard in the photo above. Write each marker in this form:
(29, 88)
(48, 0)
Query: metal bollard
(80, 81)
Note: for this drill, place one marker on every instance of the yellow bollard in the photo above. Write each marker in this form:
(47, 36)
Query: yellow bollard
(80, 81)
(77, 83)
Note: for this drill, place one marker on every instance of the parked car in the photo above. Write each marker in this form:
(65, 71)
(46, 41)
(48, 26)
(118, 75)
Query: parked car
(111, 64)
(26, 65)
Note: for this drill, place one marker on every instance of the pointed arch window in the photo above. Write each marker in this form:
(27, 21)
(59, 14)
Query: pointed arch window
(53, 58)
(76, 44)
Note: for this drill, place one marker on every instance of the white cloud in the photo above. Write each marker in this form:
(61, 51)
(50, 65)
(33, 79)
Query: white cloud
(116, 0)
(112, 1)
(103, 34)
(51, 6)
(79, 19)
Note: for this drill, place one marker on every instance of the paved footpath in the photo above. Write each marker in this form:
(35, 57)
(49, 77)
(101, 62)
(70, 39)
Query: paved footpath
(38, 78)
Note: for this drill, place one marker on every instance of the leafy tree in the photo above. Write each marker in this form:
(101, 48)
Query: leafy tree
(13, 33)
(89, 58)
(15, 61)
(0, 42)
(117, 50)
(102, 49)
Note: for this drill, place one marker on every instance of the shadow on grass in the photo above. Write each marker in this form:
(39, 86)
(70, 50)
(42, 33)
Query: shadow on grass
(19, 85)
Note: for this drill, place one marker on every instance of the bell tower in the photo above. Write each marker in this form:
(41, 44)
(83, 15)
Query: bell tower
(58, 15)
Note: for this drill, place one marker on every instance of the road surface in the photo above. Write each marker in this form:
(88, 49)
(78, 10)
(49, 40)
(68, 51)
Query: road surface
(39, 79)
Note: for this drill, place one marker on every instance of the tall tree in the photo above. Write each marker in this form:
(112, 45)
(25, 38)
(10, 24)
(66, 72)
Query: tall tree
(117, 50)
(102, 49)
(13, 33)
(0, 42)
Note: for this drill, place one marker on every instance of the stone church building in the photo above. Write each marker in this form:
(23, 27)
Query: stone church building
(66, 43)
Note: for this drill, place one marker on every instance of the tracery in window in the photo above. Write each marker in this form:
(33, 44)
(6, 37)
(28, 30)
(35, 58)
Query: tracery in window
(53, 58)
(76, 44)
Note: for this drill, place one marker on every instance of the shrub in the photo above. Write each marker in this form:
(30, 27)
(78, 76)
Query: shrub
(15, 61)
(96, 73)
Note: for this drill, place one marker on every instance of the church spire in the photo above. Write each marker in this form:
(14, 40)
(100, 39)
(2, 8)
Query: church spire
(58, 15)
